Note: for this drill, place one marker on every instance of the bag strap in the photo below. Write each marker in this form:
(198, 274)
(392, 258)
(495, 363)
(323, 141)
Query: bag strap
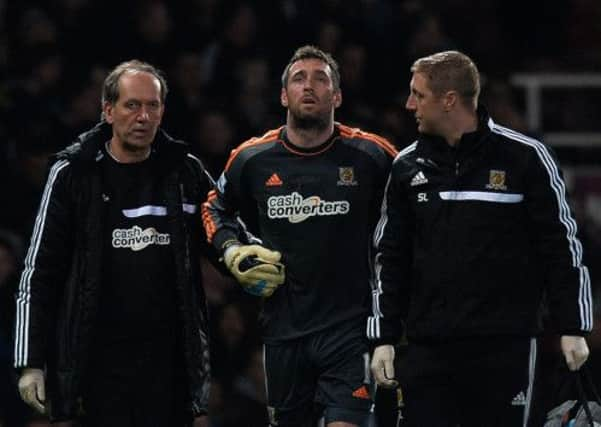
(586, 374)
(582, 397)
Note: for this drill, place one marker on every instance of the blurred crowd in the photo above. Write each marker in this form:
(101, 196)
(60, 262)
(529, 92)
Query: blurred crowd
(223, 61)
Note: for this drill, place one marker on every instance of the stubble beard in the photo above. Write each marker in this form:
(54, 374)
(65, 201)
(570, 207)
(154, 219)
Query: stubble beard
(309, 122)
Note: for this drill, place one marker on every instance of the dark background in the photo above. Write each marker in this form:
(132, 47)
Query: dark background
(223, 61)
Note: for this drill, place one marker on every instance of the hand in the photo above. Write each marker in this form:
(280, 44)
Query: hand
(256, 268)
(382, 366)
(575, 350)
(201, 421)
(32, 388)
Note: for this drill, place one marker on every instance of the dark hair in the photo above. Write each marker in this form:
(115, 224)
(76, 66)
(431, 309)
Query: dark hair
(110, 88)
(451, 70)
(312, 52)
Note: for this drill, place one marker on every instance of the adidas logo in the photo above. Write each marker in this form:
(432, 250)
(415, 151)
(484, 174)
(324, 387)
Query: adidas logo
(419, 179)
(519, 399)
(273, 181)
(361, 393)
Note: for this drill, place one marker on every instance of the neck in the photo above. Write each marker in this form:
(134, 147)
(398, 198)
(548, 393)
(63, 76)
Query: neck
(308, 138)
(463, 122)
(122, 154)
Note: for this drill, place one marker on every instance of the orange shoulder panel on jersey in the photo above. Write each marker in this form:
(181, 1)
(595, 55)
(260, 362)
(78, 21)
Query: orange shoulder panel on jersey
(269, 136)
(349, 132)
(209, 224)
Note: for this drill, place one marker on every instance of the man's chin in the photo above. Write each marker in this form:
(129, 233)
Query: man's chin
(311, 121)
(134, 144)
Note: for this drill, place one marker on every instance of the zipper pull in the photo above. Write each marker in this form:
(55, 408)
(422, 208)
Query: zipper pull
(457, 168)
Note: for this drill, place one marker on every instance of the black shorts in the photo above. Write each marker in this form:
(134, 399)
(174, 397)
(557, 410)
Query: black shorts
(322, 374)
(480, 382)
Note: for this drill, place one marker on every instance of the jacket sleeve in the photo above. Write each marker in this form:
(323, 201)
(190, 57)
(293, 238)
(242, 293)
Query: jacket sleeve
(220, 212)
(390, 283)
(45, 271)
(567, 280)
(206, 185)
(202, 182)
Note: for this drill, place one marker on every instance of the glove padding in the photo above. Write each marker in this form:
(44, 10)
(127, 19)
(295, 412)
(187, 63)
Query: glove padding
(32, 388)
(575, 350)
(382, 366)
(256, 268)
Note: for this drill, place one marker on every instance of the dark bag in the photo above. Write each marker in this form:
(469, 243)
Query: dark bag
(578, 413)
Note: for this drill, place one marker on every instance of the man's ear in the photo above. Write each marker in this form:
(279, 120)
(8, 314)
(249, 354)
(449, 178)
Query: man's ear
(450, 100)
(284, 98)
(337, 99)
(107, 109)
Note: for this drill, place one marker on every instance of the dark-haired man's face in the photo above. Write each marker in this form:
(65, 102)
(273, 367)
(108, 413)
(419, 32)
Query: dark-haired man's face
(310, 94)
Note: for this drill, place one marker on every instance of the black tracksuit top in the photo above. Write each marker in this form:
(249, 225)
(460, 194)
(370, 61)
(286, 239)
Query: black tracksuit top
(61, 283)
(470, 239)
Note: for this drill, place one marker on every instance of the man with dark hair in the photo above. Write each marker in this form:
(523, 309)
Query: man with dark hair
(310, 191)
(111, 314)
(475, 230)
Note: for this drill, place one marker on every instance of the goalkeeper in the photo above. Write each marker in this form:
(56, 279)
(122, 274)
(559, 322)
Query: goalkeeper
(310, 191)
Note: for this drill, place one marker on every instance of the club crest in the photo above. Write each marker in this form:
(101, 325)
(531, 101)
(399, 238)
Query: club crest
(496, 180)
(346, 176)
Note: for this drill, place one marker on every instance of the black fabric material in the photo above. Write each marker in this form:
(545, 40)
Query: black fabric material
(471, 383)
(138, 294)
(70, 330)
(145, 389)
(318, 374)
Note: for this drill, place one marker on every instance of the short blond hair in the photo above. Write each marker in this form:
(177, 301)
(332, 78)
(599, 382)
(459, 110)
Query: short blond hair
(451, 70)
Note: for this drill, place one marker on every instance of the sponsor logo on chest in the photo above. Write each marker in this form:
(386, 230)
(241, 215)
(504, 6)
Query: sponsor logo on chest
(137, 239)
(296, 208)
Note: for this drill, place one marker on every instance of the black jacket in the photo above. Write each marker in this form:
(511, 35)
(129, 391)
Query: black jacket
(470, 239)
(59, 290)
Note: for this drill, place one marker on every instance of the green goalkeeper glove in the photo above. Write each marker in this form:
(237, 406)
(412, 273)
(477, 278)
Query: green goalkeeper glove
(258, 269)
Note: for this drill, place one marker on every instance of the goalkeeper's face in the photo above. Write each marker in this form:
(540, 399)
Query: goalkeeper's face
(310, 94)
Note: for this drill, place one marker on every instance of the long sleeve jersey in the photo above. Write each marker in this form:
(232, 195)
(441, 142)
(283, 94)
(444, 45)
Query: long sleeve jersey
(472, 237)
(318, 207)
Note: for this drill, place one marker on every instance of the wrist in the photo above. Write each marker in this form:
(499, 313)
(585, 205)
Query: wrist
(226, 248)
(227, 253)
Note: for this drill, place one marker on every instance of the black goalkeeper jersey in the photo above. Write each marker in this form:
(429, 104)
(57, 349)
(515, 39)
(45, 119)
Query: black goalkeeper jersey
(318, 207)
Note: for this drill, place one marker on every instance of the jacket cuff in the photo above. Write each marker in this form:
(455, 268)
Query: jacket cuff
(574, 332)
(385, 341)
(224, 238)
